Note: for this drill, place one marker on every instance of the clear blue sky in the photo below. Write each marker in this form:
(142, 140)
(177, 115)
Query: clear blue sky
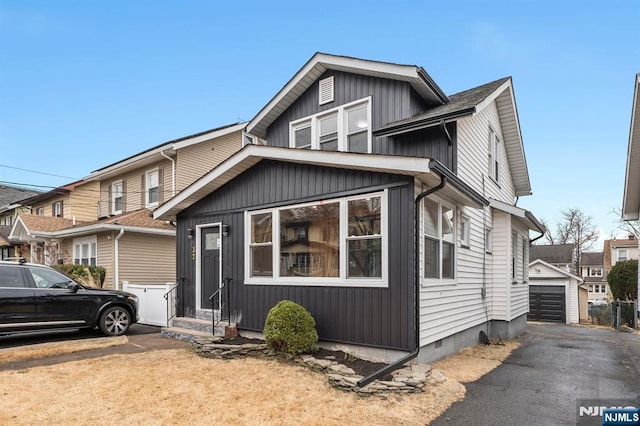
(84, 84)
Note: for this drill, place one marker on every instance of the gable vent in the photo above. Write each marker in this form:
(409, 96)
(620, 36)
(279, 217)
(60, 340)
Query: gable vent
(326, 90)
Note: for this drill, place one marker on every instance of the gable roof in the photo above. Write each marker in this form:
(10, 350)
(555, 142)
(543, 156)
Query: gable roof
(556, 254)
(471, 102)
(321, 62)
(140, 221)
(428, 171)
(11, 195)
(631, 199)
(592, 259)
(56, 192)
(555, 269)
(4, 235)
(159, 152)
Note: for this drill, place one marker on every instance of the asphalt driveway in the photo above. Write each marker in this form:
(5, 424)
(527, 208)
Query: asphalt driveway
(544, 379)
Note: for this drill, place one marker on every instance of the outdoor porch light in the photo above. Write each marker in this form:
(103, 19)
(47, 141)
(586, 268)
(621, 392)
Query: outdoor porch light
(190, 233)
(225, 230)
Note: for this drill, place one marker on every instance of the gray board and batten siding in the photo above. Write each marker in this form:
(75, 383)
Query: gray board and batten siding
(392, 100)
(380, 317)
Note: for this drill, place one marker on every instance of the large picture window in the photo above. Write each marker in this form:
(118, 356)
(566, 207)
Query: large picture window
(346, 128)
(439, 242)
(340, 241)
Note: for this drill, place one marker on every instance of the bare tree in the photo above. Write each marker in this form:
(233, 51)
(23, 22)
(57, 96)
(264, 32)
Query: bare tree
(548, 235)
(578, 229)
(630, 226)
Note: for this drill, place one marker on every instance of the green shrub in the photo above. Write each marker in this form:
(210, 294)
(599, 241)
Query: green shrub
(90, 276)
(623, 280)
(291, 329)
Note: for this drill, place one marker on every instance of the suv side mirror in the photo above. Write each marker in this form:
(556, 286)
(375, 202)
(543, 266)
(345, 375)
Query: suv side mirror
(73, 287)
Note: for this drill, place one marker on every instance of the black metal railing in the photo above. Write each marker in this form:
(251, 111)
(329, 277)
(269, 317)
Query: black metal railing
(173, 297)
(223, 296)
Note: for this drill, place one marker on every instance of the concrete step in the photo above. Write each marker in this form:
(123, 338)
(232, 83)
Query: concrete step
(203, 325)
(208, 314)
(184, 334)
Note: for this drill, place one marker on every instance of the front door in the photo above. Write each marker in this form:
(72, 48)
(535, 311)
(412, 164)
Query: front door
(210, 261)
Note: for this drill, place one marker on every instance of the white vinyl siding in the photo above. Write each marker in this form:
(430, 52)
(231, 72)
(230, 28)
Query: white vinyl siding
(519, 294)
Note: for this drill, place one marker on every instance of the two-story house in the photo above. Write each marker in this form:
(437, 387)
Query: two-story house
(10, 207)
(105, 219)
(593, 273)
(619, 250)
(379, 203)
(631, 200)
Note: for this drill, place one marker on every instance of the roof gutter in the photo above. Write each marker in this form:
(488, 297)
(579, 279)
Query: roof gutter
(173, 172)
(399, 363)
(116, 262)
(420, 124)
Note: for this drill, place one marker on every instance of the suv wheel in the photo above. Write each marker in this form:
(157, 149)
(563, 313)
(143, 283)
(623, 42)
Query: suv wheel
(115, 321)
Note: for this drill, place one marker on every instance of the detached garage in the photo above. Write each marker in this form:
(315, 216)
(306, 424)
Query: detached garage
(553, 293)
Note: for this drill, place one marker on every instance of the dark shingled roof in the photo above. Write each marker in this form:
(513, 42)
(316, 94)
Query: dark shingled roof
(592, 259)
(459, 103)
(557, 254)
(12, 194)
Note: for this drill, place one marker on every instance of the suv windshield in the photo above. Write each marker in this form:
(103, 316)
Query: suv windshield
(47, 278)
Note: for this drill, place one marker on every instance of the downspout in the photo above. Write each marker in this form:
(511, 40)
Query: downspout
(397, 364)
(173, 172)
(116, 263)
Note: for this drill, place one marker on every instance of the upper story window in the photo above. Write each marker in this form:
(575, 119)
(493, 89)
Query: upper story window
(152, 185)
(85, 251)
(57, 209)
(439, 231)
(346, 128)
(6, 220)
(40, 211)
(594, 272)
(117, 197)
(622, 255)
(333, 242)
(493, 148)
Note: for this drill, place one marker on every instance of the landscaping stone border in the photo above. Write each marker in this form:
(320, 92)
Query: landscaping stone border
(410, 379)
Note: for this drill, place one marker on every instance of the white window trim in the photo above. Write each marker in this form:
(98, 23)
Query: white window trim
(57, 209)
(342, 280)
(488, 240)
(434, 281)
(146, 187)
(465, 231)
(314, 122)
(92, 239)
(113, 197)
(514, 257)
(494, 155)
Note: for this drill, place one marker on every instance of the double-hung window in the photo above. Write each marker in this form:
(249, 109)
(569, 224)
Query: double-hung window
(340, 241)
(493, 148)
(117, 197)
(85, 251)
(439, 231)
(622, 255)
(345, 128)
(152, 187)
(57, 209)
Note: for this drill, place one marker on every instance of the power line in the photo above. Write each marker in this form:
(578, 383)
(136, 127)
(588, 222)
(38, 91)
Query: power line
(35, 171)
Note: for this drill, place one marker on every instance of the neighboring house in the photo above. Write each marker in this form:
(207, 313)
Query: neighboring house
(560, 255)
(631, 200)
(555, 294)
(382, 205)
(619, 250)
(592, 271)
(105, 219)
(10, 208)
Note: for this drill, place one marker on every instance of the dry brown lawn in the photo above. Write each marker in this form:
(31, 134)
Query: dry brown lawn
(177, 387)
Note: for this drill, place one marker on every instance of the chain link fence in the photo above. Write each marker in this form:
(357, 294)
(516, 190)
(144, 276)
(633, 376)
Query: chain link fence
(615, 314)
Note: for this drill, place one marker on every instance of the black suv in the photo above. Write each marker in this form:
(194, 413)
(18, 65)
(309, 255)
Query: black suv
(36, 297)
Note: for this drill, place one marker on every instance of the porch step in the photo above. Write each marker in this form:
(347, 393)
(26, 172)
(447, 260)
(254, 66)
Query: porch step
(208, 314)
(196, 324)
(191, 329)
